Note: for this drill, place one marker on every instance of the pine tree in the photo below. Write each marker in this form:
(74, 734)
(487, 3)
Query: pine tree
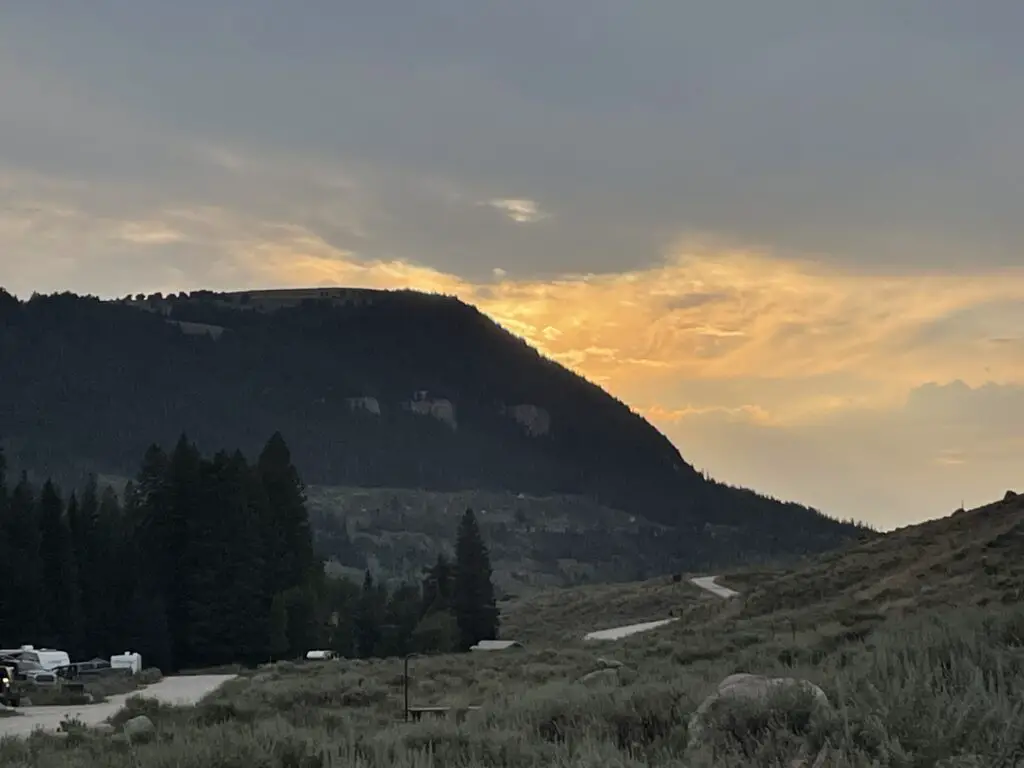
(24, 594)
(474, 604)
(59, 583)
(279, 643)
(437, 586)
(368, 618)
(179, 533)
(113, 574)
(290, 558)
(228, 616)
(7, 555)
(92, 559)
(74, 640)
(401, 616)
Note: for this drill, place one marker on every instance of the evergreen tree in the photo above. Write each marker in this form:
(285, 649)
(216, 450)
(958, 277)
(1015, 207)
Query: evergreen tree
(401, 616)
(113, 575)
(74, 640)
(180, 529)
(474, 604)
(437, 587)
(224, 569)
(437, 632)
(368, 618)
(279, 643)
(23, 587)
(291, 564)
(7, 555)
(340, 606)
(290, 558)
(147, 631)
(59, 584)
(92, 555)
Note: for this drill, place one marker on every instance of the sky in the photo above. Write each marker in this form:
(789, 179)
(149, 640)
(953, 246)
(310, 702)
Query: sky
(787, 233)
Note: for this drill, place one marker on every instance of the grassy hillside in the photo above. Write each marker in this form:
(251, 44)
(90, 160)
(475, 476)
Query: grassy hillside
(918, 679)
(371, 389)
(971, 559)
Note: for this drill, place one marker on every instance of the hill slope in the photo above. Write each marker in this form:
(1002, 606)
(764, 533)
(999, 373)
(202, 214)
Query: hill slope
(371, 389)
(971, 559)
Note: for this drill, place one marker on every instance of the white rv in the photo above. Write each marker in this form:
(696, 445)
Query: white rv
(47, 658)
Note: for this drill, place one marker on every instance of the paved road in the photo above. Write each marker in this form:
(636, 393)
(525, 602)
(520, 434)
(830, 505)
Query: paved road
(188, 689)
(708, 583)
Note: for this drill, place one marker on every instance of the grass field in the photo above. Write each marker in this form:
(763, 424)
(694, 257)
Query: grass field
(916, 693)
(920, 672)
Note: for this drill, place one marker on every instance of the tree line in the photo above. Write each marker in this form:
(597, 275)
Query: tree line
(203, 561)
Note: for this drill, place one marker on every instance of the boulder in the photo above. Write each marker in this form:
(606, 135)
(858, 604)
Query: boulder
(747, 687)
(608, 664)
(139, 728)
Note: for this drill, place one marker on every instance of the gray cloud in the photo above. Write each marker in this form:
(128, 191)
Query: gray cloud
(855, 132)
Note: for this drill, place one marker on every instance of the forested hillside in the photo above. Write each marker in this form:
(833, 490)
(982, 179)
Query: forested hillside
(371, 389)
(210, 560)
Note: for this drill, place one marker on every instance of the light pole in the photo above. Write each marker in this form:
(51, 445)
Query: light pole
(405, 683)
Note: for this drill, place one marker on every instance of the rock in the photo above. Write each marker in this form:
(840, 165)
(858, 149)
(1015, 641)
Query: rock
(608, 664)
(139, 728)
(1010, 496)
(601, 676)
(105, 728)
(757, 688)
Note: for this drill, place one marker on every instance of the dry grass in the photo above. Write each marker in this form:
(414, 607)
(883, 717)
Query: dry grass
(921, 691)
(914, 681)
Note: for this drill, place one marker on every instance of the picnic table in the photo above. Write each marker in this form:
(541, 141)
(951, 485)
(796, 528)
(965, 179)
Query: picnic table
(417, 713)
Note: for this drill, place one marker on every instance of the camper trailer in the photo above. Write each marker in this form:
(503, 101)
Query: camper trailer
(48, 659)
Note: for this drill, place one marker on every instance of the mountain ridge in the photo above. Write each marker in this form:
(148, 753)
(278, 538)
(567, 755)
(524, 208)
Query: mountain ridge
(371, 388)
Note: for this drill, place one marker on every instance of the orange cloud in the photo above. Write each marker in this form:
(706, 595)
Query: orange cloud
(708, 315)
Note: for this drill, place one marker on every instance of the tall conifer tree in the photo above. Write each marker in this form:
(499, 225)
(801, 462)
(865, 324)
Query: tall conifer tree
(473, 595)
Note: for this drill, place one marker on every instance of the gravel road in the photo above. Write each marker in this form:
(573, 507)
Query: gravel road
(708, 583)
(188, 689)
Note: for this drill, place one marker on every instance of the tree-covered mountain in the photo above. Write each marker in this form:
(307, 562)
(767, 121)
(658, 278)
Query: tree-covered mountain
(371, 389)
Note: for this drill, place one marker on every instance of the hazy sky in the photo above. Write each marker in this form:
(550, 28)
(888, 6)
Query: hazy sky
(788, 232)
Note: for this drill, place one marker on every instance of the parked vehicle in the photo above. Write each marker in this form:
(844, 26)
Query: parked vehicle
(33, 672)
(9, 695)
(128, 661)
(27, 668)
(91, 668)
(48, 658)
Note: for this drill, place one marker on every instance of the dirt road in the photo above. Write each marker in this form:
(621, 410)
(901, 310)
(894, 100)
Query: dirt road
(172, 690)
(708, 583)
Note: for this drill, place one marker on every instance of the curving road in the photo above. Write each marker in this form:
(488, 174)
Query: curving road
(616, 633)
(183, 690)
